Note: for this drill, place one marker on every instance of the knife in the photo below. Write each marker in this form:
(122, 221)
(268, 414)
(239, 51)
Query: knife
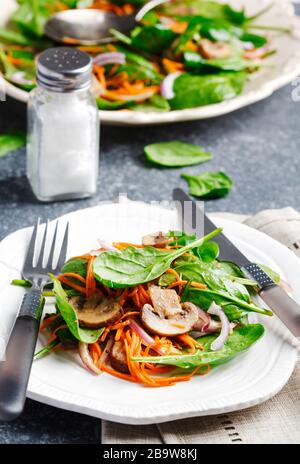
(276, 298)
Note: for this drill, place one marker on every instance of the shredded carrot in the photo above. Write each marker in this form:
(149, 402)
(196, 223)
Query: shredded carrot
(95, 352)
(74, 275)
(73, 285)
(90, 279)
(172, 66)
(48, 321)
(115, 373)
(198, 285)
(178, 26)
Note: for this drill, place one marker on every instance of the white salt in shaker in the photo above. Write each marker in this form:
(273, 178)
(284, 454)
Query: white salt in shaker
(63, 127)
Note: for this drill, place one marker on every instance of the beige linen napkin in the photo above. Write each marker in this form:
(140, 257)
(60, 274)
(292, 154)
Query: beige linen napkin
(276, 421)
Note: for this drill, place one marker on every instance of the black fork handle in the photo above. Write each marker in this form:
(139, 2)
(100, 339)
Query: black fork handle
(15, 370)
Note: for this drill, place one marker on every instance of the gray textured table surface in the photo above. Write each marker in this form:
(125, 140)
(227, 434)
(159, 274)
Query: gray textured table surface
(258, 146)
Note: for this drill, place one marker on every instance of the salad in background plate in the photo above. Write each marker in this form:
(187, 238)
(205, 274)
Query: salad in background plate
(186, 54)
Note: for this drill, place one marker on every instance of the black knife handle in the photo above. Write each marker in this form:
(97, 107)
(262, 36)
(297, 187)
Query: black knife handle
(15, 370)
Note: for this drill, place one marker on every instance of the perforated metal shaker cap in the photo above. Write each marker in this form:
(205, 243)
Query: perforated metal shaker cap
(64, 69)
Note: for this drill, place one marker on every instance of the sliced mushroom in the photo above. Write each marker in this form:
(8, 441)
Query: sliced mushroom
(214, 50)
(167, 316)
(96, 311)
(159, 239)
(118, 359)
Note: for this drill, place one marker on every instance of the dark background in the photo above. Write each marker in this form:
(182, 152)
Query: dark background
(257, 146)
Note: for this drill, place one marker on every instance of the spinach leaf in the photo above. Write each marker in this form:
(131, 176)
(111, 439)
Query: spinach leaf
(70, 316)
(204, 298)
(274, 275)
(32, 15)
(112, 105)
(152, 39)
(209, 185)
(77, 265)
(11, 142)
(14, 37)
(191, 91)
(175, 154)
(134, 266)
(155, 103)
(181, 238)
(208, 251)
(191, 32)
(46, 349)
(240, 340)
(195, 62)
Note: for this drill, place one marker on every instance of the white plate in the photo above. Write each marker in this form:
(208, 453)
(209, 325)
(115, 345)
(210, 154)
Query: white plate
(279, 70)
(251, 378)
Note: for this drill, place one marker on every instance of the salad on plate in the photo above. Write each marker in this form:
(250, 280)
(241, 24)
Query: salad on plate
(183, 54)
(154, 313)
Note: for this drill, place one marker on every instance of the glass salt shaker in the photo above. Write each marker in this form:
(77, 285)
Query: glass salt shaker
(63, 127)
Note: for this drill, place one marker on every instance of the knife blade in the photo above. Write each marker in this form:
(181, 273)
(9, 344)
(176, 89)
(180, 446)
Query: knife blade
(274, 296)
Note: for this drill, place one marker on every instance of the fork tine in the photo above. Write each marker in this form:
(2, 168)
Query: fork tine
(39, 263)
(31, 247)
(63, 251)
(52, 250)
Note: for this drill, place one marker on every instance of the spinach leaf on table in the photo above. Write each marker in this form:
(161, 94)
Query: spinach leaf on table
(238, 341)
(209, 185)
(191, 91)
(134, 266)
(70, 316)
(11, 142)
(176, 154)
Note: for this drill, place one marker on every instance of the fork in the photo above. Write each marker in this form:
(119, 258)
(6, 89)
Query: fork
(15, 370)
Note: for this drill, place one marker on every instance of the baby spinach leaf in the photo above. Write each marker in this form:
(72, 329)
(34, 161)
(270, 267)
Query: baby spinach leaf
(274, 275)
(175, 154)
(191, 91)
(195, 62)
(204, 298)
(208, 251)
(46, 349)
(31, 16)
(70, 316)
(155, 103)
(11, 142)
(77, 265)
(134, 266)
(14, 37)
(209, 185)
(112, 105)
(152, 39)
(240, 340)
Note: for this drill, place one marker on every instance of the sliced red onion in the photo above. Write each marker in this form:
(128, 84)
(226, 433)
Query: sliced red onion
(256, 53)
(87, 359)
(107, 246)
(203, 321)
(148, 340)
(166, 86)
(109, 58)
(107, 349)
(218, 343)
(20, 78)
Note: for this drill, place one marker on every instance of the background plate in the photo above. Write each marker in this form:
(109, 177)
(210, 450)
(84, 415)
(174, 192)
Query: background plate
(281, 69)
(60, 380)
